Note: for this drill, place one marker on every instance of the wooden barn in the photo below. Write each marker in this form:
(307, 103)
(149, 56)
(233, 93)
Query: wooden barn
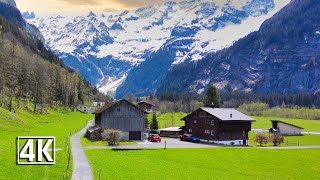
(219, 125)
(145, 106)
(285, 128)
(124, 116)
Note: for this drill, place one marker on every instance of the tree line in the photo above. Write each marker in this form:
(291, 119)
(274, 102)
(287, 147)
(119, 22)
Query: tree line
(27, 78)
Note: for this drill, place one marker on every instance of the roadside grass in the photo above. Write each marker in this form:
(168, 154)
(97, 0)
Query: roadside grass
(304, 140)
(216, 163)
(86, 143)
(169, 119)
(23, 123)
(308, 125)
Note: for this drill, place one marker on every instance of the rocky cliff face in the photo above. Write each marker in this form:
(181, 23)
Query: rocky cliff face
(131, 51)
(282, 57)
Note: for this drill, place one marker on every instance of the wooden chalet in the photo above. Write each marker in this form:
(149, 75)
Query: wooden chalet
(124, 116)
(219, 125)
(145, 106)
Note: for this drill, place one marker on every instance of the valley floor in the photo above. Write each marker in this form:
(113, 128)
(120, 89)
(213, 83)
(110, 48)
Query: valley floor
(218, 163)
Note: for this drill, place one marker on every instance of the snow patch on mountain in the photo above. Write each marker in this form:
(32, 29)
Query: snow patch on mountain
(105, 47)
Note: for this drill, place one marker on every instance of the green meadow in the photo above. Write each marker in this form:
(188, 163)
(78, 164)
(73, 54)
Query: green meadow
(23, 123)
(216, 163)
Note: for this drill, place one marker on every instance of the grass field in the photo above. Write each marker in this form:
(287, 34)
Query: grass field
(27, 124)
(85, 142)
(169, 119)
(219, 163)
(308, 125)
(305, 140)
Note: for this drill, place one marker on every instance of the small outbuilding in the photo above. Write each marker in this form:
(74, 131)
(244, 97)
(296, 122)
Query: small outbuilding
(173, 132)
(285, 128)
(124, 116)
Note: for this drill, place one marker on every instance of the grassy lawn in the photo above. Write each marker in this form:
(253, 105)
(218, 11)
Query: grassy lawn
(305, 140)
(308, 125)
(85, 142)
(169, 120)
(27, 124)
(219, 163)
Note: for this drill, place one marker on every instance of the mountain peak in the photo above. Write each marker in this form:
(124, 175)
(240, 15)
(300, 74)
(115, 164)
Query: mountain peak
(91, 14)
(10, 2)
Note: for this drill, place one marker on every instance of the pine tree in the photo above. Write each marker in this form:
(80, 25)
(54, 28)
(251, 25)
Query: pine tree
(154, 123)
(212, 96)
(146, 123)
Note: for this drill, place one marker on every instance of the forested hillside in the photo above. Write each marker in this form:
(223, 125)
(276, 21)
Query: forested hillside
(29, 73)
(282, 57)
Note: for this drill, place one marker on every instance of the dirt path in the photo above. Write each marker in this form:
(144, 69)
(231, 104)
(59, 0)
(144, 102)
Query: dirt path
(81, 166)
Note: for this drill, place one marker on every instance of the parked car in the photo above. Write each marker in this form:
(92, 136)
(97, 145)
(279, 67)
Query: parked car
(154, 138)
(190, 138)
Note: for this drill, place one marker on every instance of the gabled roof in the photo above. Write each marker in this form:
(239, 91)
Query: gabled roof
(146, 103)
(224, 114)
(114, 103)
(287, 124)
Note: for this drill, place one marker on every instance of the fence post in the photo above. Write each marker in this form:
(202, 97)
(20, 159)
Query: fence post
(165, 144)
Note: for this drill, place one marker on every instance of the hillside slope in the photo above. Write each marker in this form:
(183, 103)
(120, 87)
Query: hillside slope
(282, 57)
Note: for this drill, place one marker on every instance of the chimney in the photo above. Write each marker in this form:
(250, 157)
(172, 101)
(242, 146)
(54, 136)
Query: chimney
(212, 105)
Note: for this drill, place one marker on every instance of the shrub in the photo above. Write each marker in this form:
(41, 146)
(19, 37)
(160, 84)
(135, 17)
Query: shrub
(276, 139)
(261, 138)
(112, 136)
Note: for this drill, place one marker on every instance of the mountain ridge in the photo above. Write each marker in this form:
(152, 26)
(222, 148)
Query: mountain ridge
(282, 57)
(107, 48)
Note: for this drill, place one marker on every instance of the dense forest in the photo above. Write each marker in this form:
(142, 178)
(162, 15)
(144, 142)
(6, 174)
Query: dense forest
(31, 74)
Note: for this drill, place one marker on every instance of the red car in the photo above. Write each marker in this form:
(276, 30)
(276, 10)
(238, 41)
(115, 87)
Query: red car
(154, 138)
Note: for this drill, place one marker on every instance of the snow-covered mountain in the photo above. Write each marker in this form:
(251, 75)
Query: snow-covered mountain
(134, 49)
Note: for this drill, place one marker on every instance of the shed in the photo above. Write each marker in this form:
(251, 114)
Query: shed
(124, 116)
(286, 128)
(173, 132)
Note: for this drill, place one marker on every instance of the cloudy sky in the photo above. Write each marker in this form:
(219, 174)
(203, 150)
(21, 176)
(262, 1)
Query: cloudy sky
(82, 6)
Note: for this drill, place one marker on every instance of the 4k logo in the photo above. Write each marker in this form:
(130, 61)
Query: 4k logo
(36, 150)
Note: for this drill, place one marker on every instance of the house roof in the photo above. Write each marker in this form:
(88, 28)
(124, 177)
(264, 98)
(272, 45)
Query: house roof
(173, 129)
(225, 114)
(146, 103)
(114, 103)
(287, 124)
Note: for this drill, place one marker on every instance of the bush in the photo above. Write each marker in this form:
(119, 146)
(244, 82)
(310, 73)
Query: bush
(276, 139)
(112, 136)
(261, 138)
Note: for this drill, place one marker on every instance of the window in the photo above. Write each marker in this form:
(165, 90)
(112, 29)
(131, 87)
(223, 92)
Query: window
(208, 121)
(212, 123)
(190, 130)
(212, 132)
(207, 131)
(195, 121)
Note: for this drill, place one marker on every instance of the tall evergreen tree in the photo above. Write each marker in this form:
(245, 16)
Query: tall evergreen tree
(212, 97)
(154, 123)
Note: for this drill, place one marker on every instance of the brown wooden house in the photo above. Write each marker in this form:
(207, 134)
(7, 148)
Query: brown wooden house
(145, 106)
(219, 125)
(124, 116)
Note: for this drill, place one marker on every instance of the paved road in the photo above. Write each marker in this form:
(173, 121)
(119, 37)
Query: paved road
(81, 167)
(168, 143)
